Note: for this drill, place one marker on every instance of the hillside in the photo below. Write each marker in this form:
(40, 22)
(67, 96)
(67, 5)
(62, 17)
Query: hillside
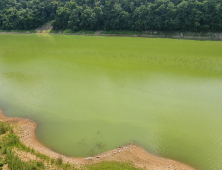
(135, 15)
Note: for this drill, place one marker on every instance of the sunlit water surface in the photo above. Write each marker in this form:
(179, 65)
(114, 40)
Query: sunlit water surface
(92, 94)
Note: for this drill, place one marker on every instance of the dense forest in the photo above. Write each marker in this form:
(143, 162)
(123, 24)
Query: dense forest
(138, 15)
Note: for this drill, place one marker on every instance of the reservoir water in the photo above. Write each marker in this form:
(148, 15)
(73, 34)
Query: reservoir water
(91, 94)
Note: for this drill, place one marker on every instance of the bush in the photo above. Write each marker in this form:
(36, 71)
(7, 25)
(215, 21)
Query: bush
(14, 162)
(2, 162)
(40, 164)
(5, 128)
(52, 161)
(3, 150)
(68, 31)
(67, 166)
(2, 129)
(42, 156)
(32, 151)
(59, 161)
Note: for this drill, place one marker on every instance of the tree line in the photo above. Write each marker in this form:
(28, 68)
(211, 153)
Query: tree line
(136, 15)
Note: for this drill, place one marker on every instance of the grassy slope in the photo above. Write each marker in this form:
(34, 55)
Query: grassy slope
(9, 141)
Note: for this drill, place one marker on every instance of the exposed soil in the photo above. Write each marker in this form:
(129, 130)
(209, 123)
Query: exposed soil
(25, 129)
(97, 33)
(45, 27)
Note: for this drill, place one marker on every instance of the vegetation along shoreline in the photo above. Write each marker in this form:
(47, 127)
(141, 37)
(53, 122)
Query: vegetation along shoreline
(25, 130)
(145, 34)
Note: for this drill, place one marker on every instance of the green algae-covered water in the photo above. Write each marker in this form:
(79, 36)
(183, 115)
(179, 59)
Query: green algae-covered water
(92, 94)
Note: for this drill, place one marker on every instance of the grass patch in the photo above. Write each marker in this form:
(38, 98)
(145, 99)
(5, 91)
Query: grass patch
(40, 164)
(52, 161)
(122, 32)
(2, 162)
(86, 32)
(4, 127)
(14, 162)
(12, 140)
(59, 161)
(54, 31)
(45, 31)
(69, 31)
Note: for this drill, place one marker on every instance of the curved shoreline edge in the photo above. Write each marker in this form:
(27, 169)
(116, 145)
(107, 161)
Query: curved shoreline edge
(25, 129)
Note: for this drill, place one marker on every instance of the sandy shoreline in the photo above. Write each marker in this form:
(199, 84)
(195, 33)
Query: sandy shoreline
(134, 153)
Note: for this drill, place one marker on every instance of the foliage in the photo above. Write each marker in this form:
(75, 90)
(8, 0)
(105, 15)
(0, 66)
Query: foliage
(11, 140)
(133, 15)
(54, 31)
(68, 31)
(138, 15)
(4, 128)
(26, 14)
(40, 164)
(52, 161)
(59, 161)
(14, 162)
(2, 162)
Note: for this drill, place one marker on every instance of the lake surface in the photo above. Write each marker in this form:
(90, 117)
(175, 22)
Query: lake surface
(92, 94)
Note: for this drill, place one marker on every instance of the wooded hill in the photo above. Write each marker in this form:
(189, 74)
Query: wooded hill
(137, 15)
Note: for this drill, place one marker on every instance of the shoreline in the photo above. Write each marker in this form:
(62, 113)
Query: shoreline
(25, 129)
(219, 38)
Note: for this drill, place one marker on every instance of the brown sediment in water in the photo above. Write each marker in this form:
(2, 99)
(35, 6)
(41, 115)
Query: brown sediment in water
(133, 153)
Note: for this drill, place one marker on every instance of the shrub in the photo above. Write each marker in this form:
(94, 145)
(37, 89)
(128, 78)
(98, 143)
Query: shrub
(32, 151)
(67, 166)
(5, 128)
(11, 140)
(2, 162)
(40, 164)
(3, 150)
(52, 161)
(42, 156)
(59, 161)
(68, 31)
(2, 129)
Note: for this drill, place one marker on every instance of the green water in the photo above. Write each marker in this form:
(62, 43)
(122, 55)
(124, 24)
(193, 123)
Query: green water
(92, 94)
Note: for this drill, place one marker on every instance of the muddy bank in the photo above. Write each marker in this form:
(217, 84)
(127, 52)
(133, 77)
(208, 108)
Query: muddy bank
(25, 129)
